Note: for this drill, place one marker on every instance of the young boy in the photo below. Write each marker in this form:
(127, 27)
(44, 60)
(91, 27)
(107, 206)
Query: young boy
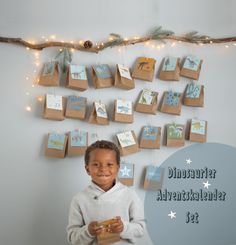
(105, 198)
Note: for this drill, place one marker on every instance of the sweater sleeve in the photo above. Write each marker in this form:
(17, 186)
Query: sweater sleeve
(136, 226)
(77, 230)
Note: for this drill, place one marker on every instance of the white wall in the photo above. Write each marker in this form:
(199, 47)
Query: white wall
(36, 191)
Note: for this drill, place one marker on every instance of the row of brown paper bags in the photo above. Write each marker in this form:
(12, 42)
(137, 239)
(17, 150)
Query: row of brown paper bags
(77, 77)
(75, 142)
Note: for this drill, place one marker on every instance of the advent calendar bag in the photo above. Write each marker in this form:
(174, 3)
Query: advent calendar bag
(144, 69)
(49, 75)
(175, 135)
(102, 77)
(54, 107)
(123, 78)
(198, 131)
(123, 111)
(153, 178)
(56, 145)
(170, 69)
(194, 95)
(127, 143)
(77, 77)
(171, 103)
(99, 114)
(76, 107)
(150, 137)
(77, 142)
(191, 67)
(126, 174)
(147, 102)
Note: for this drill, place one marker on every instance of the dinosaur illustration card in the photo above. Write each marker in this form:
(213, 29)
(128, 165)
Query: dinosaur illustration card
(126, 139)
(78, 72)
(101, 109)
(76, 103)
(198, 131)
(102, 76)
(150, 137)
(124, 71)
(169, 69)
(194, 95)
(170, 63)
(175, 134)
(54, 102)
(78, 138)
(147, 97)
(150, 133)
(193, 90)
(102, 71)
(56, 145)
(192, 63)
(124, 107)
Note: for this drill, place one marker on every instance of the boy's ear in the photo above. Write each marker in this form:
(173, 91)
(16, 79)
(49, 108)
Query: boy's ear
(87, 169)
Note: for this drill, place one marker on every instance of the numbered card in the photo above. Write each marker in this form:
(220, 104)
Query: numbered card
(48, 68)
(124, 107)
(76, 103)
(78, 138)
(78, 72)
(56, 141)
(192, 63)
(124, 72)
(193, 91)
(101, 109)
(172, 98)
(54, 102)
(170, 64)
(154, 173)
(147, 97)
(150, 133)
(126, 139)
(175, 131)
(126, 171)
(102, 71)
(146, 64)
(198, 127)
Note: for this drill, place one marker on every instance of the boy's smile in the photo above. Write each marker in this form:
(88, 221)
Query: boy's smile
(103, 167)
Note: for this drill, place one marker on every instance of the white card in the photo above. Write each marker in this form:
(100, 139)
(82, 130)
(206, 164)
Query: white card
(146, 97)
(124, 72)
(101, 109)
(124, 107)
(126, 139)
(54, 102)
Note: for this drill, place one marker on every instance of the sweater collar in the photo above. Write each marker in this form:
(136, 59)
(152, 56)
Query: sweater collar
(96, 187)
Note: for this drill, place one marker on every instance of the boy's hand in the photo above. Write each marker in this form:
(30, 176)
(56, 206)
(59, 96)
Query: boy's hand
(118, 226)
(94, 229)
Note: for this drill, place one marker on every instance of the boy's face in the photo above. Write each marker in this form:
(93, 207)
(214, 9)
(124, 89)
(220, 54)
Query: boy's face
(103, 167)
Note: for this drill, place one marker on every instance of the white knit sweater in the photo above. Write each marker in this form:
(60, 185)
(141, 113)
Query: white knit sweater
(94, 204)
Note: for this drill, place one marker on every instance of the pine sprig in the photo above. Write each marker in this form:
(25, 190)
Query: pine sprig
(64, 58)
(114, 40)
(193, 37)
(160, 34)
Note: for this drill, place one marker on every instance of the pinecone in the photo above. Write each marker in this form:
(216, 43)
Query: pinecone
(88, 44)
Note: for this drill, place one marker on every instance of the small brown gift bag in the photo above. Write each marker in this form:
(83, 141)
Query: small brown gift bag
(123, 111)
(175, 135)
(171, 103)
(56, 145)
(107, 237)
(147, 102)
(54, 107)
(191, 67)
(170, 69)
(194, 95)
(49, 74)
(126, 174)
(77, 143)
(123, 78)
(99, 114)
(198, 131)
(102, 77)
(127, 143)
(150, 137)
(76, 107)
(144, 69)
(77, 77)
(153, 178)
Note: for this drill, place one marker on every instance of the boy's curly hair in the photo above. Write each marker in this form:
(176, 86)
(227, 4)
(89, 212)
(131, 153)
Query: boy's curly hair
(102, 144)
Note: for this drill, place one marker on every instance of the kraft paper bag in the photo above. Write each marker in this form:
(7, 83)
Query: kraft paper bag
(123, 111)
(194, 95)
(175, 135)
(150, 137)
(170, 69)
(77, 77)
(76, 107)
(123, 78)
(99, 114)
(126, 174)
(147, 102)
(49, 75)
(198, 131)
(144, 69)
(153, 178)
(54, 107)
(56, 145)
(171, 103)
(102, 76)
(191, 67)
(127, 143)
(77, 143)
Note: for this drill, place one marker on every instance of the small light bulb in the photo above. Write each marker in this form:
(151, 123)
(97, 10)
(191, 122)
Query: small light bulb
(28, 108)
(227, 46)
(126, 39)
(27, 78)
(27, 93)
(119, 50)
(47, 40)
(27, 48)
(173, 44)
(71, 41)
(40, 99)
(81, 42)
(33, 85)
(234, 44)
(53, 37)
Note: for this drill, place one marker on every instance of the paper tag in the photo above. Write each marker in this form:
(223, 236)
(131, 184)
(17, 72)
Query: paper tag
(192, 63)
(150, 133)
(172, 98)
(124, 72)
(78, 138)
(76, 103)
(56, 141)
(175, 131)
(154, 173)
(102, 71)
(54, 102)
(145, 64)
(126, 171)
(126, 139)
(78, 72)
(169, 64)
(147, 97)
(101, 109)
(193, 91)
(48, 68)
(124, 107)
(198, 127)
